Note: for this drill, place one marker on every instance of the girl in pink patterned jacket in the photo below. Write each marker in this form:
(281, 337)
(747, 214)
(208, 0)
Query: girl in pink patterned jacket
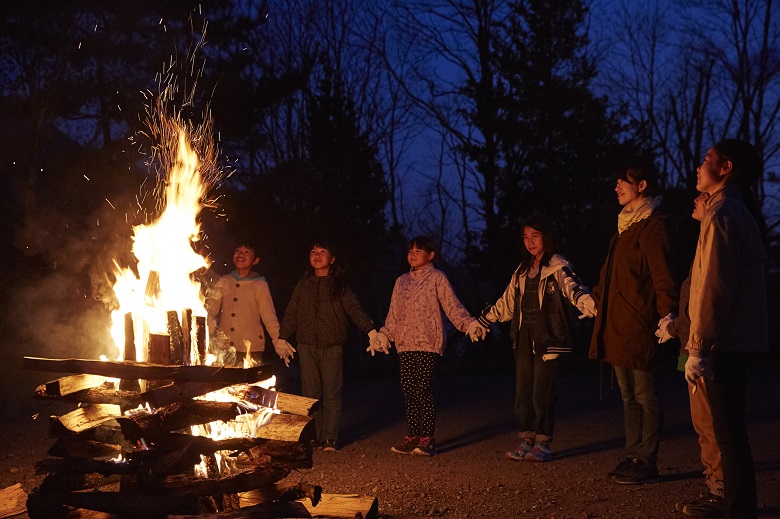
(415, 324)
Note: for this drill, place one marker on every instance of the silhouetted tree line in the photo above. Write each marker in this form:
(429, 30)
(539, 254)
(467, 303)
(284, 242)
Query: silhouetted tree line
(365, 121)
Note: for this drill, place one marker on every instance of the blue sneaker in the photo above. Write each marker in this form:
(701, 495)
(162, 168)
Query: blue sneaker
(519, 453)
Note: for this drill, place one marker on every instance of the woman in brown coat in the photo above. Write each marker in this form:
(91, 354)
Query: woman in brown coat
(636, 288)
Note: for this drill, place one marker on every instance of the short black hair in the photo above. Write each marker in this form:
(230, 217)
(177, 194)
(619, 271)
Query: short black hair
(426, 243)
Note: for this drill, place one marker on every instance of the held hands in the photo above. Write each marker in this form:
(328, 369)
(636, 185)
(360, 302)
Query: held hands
(662, 332)
(587, 306)
(476, 331)
(285, 351)
(696, 367)
(378, 341)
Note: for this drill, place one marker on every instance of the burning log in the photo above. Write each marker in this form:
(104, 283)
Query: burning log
(299, 405)
(180, 392)
(200, 337)
(95, 395)
(175, 417)
(83, 418)
(158, 352)
(177, 339)
(71, 384)
(80, 448)
(130, 353)
(152, 286)
(150, 371)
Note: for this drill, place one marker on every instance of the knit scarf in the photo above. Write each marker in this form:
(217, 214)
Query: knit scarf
(643, 209)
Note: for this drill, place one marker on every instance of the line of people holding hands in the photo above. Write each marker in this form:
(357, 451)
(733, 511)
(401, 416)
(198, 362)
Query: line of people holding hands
(719, 314)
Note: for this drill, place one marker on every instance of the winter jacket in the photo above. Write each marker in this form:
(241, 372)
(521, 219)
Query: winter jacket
(680, 326)
(414, 321)
(508, 305)
(728, 304)
(636, 288)
(240, 307)
(316, 320)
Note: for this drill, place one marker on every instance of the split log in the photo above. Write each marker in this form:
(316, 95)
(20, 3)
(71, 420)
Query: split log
(180, 392)
(95, 395)
(285, 402)
(158, 352)
(83, 418)
(130, 353)
(245, 480)
(335, 506)
(200, 338)
(12, 501)
(282, 492)
(186, 333)
(152, 286)
(288, 427)
(72, 384)
(177, 339)
(75, 447)
(87, 466)
(150, 371)
(55, 483)
(175, 417)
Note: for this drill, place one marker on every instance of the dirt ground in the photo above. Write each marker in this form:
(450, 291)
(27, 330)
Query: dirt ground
(470, 477)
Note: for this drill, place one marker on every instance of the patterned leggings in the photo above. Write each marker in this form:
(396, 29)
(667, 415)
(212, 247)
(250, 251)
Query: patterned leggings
(416, 376)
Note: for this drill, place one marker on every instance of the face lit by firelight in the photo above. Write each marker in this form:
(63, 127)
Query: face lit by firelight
(418, 257)
(698, 206)
(244, 258)
(532, 239)
(321, 259)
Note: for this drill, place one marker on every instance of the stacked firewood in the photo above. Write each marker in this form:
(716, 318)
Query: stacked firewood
(130, 453)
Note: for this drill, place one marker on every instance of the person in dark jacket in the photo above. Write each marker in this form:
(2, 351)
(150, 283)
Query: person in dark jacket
(317, 315)
(636, 287)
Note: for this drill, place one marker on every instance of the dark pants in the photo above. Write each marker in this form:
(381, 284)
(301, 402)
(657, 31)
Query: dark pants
(727, 402)
(536, 394)
(416, 383)
(642, 413)
(321, 378)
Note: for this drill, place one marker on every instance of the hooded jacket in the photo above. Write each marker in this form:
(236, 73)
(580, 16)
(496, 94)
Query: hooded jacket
(508, 305)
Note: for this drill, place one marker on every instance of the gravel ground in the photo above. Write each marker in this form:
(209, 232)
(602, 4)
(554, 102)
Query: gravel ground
(469, 477)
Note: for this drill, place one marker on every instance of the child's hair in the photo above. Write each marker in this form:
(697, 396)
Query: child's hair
(746, 168)
(338, 283)
(636, 172)
(426, 243)
(248, 242)
(542, 224)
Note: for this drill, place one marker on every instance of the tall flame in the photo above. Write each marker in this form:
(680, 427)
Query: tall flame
(166, 258)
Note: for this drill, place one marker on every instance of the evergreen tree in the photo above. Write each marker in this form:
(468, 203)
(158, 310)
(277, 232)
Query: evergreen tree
(558, 141)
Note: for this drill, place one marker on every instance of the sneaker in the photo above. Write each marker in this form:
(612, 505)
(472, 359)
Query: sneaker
(519, 453)
(329, 446)
(706, 506)
(620, 467)
(540, 453)
(425, 447)
(637, 473)
(408, 445)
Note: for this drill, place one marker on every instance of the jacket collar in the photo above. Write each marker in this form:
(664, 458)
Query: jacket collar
(252, 276)
(720, 194)
(419, 274)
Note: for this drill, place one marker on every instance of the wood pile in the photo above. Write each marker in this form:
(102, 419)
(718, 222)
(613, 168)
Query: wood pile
(112, 457)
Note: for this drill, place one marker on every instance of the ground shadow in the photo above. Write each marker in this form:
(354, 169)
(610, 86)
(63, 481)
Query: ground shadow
(474, 436)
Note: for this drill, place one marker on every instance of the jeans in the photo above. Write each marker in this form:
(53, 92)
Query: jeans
(536, 394)
(726, 393)
(321, 378)
(642, 413)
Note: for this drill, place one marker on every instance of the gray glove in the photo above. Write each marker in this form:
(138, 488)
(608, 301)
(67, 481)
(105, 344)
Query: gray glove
(662, 332)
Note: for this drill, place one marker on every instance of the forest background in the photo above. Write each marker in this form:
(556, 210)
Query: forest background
(367, 121)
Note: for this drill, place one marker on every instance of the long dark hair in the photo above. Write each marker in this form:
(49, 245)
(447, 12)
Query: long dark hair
(338, 283)
(746, 169)
(542, 224)
(636, 172)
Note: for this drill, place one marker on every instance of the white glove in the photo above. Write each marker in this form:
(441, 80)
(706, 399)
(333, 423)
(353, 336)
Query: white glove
(285, 351)
(696, 367)
(476, 331)
(373, 342)
(662, 332)
(587, 306)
